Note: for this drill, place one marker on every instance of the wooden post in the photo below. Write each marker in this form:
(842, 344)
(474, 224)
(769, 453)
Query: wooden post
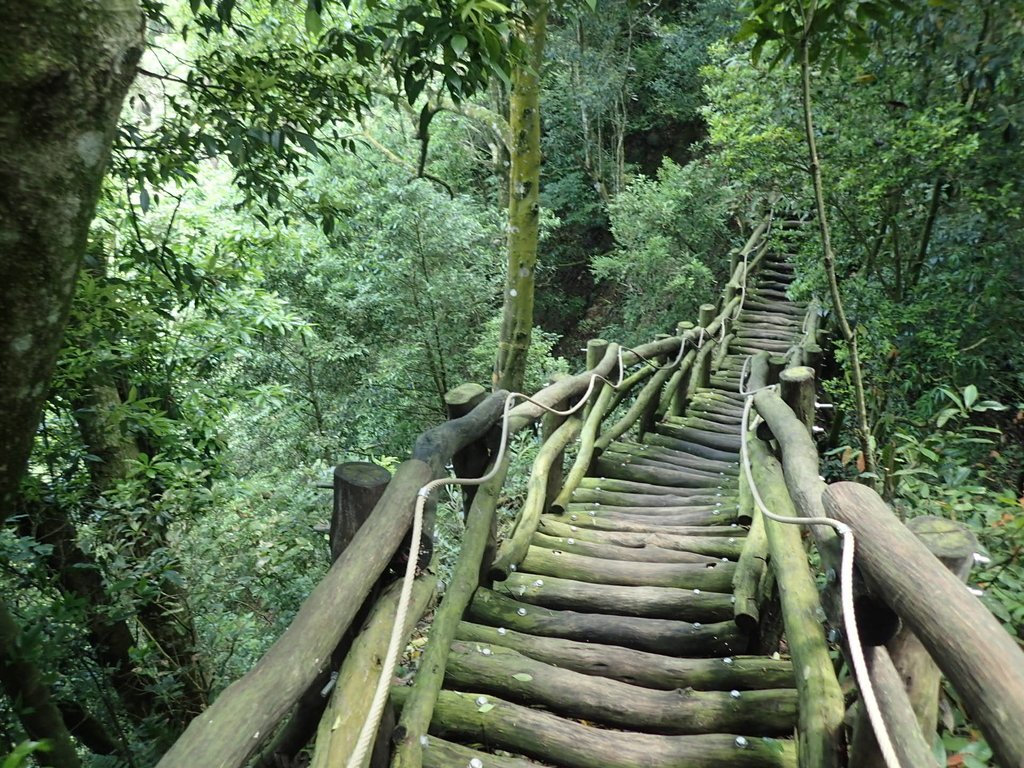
(797, 385)
(776, 363)
(954, 545)
(358, 486)
(596, 349)
(706, 315)
(968, 643)
(820, 729)
(472, 460)
(674, 401)
(700, 378)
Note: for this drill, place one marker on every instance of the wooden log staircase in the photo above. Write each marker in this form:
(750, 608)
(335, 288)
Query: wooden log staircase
(632, 617)
(614, 643)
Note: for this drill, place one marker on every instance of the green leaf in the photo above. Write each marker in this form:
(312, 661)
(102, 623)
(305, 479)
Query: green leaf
(970, 395)
(459, 44)
(485, 708)
(314, 24)
(522, 677)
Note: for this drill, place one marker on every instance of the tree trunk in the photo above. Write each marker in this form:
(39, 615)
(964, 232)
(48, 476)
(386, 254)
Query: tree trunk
(828, 256)
(523, 208)
(68, 67)
(165, 620)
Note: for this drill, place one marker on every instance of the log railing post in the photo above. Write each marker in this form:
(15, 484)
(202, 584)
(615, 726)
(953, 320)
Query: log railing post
(980, 658)
(358, 486)
(706, 315)
(675, 393)
(797, 389)
(472, 460)
(596, 349)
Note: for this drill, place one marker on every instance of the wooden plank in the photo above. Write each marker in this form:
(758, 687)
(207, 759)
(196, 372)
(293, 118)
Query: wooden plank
(512, 676)
(574, 745)
(673, 638)
(651, 670)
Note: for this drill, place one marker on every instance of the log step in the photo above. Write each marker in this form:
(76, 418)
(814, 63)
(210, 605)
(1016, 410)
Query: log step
(508, 726)
(648, 602)
(705, 577)
(514, 677)
(652, 554)
(648, 459)
(440, 753)
(724, 541)
(673, 638)
(650, 670)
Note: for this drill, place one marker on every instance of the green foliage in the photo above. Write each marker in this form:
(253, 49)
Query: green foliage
(21, 753)
(672, 244)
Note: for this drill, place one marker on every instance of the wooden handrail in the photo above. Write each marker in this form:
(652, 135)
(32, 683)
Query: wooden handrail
(979, 657)
(228, 732)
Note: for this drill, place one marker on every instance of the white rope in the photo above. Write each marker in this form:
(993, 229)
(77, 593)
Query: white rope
(845, 583)
(369, 730)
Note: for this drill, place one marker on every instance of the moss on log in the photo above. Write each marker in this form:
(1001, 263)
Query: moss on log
(515, 677)
(674, 638)
(651, 670)
(649, 554)
(574, 745)
(343, 719)
(650, 602)
(821, 700)
(430, 675)
(512, 549)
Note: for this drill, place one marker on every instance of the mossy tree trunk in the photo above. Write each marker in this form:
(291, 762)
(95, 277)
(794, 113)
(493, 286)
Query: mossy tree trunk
(523, 206)
(68, 65)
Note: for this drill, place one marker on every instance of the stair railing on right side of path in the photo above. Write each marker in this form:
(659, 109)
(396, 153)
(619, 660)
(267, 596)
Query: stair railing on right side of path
(912, 574)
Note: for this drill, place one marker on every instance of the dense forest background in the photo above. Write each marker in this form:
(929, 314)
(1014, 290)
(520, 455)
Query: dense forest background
(301, 242)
